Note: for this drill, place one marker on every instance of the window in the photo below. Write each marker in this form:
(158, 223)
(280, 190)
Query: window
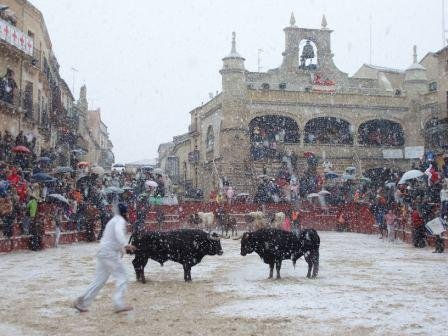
(210, 139)
(282, 86)
(28, 100)
(433, 86)
(265, 86)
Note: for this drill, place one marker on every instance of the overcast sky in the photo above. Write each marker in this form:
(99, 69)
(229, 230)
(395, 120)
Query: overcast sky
(146, 64)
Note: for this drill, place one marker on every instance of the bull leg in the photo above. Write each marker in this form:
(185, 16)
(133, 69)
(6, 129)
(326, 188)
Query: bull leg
(139, 263)
(271, 270)
(187, 273)
(310, 265)
(278, 266)
(315, 264)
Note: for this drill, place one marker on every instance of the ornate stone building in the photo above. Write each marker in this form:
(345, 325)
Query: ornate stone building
(375, 118)
(34, 99)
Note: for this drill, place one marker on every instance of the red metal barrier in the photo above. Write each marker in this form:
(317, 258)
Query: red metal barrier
(354, 217)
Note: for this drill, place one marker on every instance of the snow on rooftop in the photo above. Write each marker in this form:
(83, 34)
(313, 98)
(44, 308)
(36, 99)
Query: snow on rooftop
(384, 69)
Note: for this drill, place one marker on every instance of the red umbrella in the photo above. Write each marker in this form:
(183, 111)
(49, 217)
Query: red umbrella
(83, 164)
(308, 154)
(21, 149)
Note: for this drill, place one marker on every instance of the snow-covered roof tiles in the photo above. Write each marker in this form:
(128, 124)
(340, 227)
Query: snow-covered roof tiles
(384, 69)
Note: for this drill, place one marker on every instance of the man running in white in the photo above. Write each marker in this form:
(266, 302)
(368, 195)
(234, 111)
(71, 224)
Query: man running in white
(112, 246)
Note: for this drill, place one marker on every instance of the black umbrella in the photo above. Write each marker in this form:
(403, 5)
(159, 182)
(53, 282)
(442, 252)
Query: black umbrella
(42, 177)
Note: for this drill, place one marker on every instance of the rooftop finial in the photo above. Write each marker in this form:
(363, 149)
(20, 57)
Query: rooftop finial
(324, 22)
(292, 20)
(233, 51)
(415, 54)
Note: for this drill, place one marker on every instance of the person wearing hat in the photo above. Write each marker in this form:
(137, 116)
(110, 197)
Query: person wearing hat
(112, 246)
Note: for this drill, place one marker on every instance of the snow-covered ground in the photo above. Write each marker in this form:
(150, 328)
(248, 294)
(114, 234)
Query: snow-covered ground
(365, 287)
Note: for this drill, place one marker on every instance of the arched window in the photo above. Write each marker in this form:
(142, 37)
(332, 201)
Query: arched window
(210, 139)
(328, 130)
(269, 130)
(381, 133)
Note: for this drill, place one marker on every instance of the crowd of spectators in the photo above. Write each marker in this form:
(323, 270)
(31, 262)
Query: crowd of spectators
(34, 192)
(411, 203)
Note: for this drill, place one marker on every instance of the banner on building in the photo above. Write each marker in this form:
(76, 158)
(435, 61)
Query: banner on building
(414, 152)
(392, 153)
(16, 37)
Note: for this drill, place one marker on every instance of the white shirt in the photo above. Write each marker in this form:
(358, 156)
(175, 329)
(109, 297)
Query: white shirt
(444, 195)
(114, 238)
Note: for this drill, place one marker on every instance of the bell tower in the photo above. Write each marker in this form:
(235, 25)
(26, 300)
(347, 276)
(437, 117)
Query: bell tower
(295, 58)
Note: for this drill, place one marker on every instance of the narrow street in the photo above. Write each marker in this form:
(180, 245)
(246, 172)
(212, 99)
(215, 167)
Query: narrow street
(365, 286)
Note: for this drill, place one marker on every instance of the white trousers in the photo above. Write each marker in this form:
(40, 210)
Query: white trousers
(57, 235)
(105, 267)
(391, 233)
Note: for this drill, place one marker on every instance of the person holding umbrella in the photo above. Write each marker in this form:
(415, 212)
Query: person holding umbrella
(112, 246)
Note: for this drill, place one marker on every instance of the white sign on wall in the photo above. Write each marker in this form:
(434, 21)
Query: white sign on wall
(16, 37)
(392, 153)
(414, 152)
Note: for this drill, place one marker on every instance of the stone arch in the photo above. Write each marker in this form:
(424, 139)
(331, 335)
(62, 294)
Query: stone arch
(274, 128)
(381, 133)
(328, 130)
(210, 138)
(435, 133)
(266, 131)
(294, 116)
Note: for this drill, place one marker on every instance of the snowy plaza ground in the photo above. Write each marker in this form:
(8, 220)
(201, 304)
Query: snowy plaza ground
(365, 287)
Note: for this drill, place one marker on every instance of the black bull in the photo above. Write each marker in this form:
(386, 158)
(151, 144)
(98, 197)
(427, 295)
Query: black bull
(186, 247)
(274, 246)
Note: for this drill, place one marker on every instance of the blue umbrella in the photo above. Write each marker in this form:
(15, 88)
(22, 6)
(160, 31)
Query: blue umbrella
(331, 175)
(113, 190)
(42, 177)
(45, 159)
(4, 185)
(63, 170)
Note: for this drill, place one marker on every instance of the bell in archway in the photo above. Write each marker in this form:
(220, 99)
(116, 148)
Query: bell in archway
(308, 51)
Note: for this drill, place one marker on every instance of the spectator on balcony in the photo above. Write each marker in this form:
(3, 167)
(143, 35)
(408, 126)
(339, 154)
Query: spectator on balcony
(7, 87)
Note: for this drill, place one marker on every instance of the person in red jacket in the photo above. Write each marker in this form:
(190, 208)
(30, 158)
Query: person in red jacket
(418, 229)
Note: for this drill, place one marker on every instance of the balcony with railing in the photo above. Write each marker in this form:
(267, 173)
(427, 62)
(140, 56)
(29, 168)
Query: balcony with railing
(37, 58)
(13, 37)
(193, 157)
(9, 102)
